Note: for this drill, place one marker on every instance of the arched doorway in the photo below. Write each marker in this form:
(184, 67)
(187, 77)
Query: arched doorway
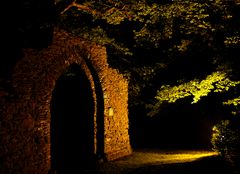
(72, 122)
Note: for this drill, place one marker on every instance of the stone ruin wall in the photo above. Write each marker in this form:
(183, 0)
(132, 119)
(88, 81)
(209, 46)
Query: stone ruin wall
(115, 94)
(25, 114)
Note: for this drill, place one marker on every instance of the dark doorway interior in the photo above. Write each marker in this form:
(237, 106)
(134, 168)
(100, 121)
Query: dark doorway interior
(72, 129)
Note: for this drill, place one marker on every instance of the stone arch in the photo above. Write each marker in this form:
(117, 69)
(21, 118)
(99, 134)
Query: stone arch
(34, 80)
(26, 114)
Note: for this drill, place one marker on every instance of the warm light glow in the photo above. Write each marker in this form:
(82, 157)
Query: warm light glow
(184, 157)
(168, 157)
(110, 112)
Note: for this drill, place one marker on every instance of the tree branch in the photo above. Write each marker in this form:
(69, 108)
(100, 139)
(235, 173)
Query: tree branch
(80, 7)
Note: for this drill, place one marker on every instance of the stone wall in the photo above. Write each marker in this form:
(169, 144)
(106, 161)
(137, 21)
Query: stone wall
(25, 113)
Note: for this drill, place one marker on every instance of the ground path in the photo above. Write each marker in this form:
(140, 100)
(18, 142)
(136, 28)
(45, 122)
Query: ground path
(147, 161)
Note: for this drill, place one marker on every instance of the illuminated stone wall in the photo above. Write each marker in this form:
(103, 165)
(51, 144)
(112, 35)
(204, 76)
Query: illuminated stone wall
(25, 112)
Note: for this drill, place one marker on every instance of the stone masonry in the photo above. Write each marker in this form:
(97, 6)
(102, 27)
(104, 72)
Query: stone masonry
(26, 116)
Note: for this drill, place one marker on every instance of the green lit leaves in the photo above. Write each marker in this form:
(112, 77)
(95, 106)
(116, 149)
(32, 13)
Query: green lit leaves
(172, 94)
(159, 22)
(225, 85)
(234, 102)
(216, 82)
(233, 40)
(196, 19)
(114, 16)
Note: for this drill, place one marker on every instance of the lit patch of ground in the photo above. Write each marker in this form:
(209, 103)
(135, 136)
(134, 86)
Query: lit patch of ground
(146, 159)
(165, 157)
(149, 161)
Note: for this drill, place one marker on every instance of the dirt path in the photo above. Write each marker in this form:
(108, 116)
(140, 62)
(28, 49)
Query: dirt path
(147, 161)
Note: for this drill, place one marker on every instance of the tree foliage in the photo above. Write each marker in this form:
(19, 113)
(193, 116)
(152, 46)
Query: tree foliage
(235, 101)
(149, 40)
(216, 82)
(225, 138)
(152, 23)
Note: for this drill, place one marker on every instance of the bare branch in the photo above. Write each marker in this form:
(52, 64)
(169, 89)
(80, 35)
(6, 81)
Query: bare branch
(80, 7)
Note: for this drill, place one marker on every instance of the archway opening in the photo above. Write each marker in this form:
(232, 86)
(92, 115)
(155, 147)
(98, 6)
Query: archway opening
(72, 122)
